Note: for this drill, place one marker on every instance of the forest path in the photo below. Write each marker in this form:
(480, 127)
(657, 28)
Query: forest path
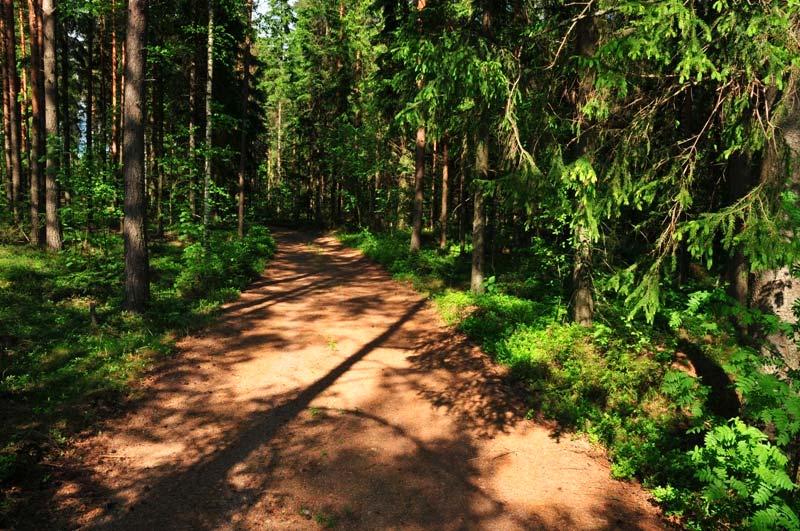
(330, 395)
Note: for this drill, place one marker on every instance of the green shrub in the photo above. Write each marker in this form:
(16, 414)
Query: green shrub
(744, 478)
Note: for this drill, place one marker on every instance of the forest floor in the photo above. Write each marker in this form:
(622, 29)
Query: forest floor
(330, 395)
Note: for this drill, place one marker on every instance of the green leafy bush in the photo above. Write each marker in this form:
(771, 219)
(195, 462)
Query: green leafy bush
(744, 478)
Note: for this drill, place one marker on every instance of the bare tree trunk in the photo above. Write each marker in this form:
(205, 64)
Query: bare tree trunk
(137, 282)
(479, 219)
(243, 144)
(739, 176)
(582, 284)
(158, 150)
(209, 124)
(25, 140)
(114, 86)
(13, 107)
(419, 167)
(462, 198)
(66, 122)
(192, 136)
(443, 213)
(53, 227)
(419, 198)
(90, 121)
(37, 123)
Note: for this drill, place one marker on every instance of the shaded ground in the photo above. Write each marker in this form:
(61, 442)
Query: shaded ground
(330, 395)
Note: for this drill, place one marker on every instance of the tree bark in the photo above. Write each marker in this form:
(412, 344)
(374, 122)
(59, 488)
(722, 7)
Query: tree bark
(114, 86)
(89, 73)
(243, 144)
(419, 166)
(37, 122)
(66, 122)
(137, 283)
(582, 284)
(53, 227)
(158, 150)
(209, 125)
(443, 213)
(479, 219)
(192, 135)
(419, 197)
(6, 120)
(777, 291)
(13, 107)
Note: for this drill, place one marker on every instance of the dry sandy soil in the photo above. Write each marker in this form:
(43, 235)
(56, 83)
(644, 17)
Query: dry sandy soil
(330, 395)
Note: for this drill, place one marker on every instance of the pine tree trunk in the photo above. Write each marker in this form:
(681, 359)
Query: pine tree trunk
(52, 225)
(443, 213)
(582, 284)
(114, 86)
(137, 283)
(25, 140)
(192, 136)
(90, 122)
(37, 123)
(209, 130)
(479, 219)
(243, 144)
(66, 122)
(419, 182)
(158, 151)
(462, 199)
(777, 291)
(13, 107)
(739, 176)
(419, 168)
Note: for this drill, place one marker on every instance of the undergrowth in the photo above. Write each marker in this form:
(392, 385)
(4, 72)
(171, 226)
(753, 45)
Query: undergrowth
(59, 369)
(626, 385)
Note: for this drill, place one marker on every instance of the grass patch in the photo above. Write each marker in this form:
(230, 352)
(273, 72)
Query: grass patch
(58, 371)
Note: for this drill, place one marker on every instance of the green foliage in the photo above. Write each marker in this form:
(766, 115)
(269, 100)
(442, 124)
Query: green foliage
(744, 478)
(618, 383)
(57, 367)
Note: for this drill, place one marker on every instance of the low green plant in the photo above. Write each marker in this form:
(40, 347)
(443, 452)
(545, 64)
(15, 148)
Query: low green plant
(56, 366)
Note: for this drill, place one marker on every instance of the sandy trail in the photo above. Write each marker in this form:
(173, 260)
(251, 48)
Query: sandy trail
(331, 395)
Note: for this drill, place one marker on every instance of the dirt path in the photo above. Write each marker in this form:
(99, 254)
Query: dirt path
(331, 395)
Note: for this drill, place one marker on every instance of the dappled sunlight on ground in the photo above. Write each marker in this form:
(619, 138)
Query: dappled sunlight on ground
(331, 395)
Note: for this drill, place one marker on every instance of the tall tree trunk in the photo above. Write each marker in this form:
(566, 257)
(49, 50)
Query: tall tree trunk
(419, 166)
(90, 122)
(158, 150)
(114, 86)
(582, 285)
(243, 144)
(53, 227)
(37, 122)
(25, 141)
(209, 124)
(777, 291)
(419, 198)
(739, 176)
(66, 122)
(443, 213)
(462, 199)
(192, 135)
(137, 282)
(6, 121)
(13, 107)
(482, 171)
(479, 218)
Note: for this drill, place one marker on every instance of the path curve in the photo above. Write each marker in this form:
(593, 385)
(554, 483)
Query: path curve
(331, 395)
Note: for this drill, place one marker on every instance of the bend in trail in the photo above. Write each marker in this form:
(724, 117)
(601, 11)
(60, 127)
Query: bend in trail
(331, 395)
